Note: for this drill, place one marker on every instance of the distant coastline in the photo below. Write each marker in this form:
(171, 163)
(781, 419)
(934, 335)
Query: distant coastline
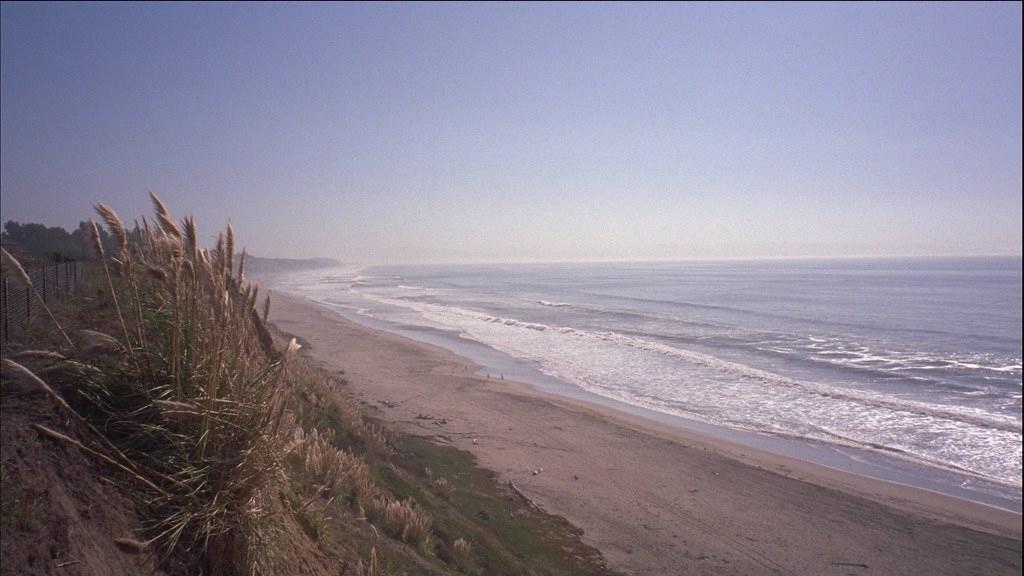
(261, 265)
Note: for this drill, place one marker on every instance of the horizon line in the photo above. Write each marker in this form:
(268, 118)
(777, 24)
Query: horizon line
(661, 260)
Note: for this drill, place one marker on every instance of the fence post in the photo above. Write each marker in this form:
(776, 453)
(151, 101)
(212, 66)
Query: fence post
(7, 318)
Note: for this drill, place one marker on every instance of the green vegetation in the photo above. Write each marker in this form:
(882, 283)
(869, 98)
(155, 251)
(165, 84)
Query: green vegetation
(507, 535)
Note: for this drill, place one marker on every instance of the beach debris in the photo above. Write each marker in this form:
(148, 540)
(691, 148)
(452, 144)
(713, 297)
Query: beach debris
(525, 498)
(130, 545)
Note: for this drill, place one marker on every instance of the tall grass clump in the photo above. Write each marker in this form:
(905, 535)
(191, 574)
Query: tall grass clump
(401, 519)
(179, 387)
(187, 392)
(335, 472)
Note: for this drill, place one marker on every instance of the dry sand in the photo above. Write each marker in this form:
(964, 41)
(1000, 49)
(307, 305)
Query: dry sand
(655, 499)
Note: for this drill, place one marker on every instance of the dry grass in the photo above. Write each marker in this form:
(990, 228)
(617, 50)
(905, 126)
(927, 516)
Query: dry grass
(368, 568)
(321, 404)
(463, 553)
(443, 487)
(402, 519)
(335, 472)
(189, 397)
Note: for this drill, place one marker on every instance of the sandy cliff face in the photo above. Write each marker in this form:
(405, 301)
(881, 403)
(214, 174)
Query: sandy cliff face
(59, 514)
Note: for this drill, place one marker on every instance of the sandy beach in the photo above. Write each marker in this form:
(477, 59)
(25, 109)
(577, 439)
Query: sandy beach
(656, 499)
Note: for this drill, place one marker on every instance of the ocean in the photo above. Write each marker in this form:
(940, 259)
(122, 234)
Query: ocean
(910, 369)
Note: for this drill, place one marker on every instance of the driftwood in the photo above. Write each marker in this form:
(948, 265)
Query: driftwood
(524, 497)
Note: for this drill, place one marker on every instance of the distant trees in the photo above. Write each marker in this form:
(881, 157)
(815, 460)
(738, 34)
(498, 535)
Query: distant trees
(31, 241)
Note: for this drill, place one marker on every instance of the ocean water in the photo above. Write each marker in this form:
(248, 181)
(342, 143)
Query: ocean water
(917, 359)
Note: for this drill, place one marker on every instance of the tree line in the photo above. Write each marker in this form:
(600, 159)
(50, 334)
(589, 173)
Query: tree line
(32, 242)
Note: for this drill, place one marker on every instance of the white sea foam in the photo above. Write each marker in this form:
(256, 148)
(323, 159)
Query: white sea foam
(554, 304)
(1010, 368)
(693, 384)
(914, 396)
(894, 361)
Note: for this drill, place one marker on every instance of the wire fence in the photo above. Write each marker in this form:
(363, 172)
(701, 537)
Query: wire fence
(19, 305)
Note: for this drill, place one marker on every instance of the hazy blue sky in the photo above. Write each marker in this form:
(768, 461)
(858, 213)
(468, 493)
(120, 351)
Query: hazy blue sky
(435, 132)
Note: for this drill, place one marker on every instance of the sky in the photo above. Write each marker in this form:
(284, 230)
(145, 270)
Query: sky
(408, 133)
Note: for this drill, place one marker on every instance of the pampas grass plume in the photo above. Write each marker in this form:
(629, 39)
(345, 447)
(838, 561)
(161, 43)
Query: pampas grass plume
(163, 216)
(97, 240)
(19, 272)
(116, 226)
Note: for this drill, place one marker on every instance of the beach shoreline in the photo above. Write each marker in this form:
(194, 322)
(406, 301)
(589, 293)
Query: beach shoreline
(656, 499)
